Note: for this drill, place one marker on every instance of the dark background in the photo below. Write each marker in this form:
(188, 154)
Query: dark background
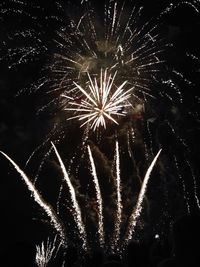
(22, 129)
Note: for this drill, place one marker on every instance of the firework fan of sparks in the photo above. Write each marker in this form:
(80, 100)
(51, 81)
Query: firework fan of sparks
(45, 251)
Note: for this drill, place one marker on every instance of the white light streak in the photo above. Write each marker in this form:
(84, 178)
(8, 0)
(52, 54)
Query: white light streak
(99, 199)
(118, 221)
(38, 198)
(44, 252)
(138, 208)
(77, 211)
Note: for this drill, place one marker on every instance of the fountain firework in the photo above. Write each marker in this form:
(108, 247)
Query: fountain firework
(42, 255)
(45, 252)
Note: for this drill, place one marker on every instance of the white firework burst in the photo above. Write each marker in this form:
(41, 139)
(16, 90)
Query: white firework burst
(44, 252)
(100, 102)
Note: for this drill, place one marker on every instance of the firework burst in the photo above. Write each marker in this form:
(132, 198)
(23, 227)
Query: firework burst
(106, 76)
(45, 252)
(102, 103)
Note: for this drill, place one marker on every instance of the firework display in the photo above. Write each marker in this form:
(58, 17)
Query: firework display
(119, 108)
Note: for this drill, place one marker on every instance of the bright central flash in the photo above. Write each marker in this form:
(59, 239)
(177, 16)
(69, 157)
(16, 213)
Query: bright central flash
(100, 101)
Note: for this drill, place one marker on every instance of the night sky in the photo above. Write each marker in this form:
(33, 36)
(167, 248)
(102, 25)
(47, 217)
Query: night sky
(22, 128)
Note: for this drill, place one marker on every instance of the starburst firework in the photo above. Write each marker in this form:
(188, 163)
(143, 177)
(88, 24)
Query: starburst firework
(101, 102)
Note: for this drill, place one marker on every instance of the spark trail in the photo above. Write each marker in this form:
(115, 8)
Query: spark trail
(118, 219)
(44, 252)
(98, 198)
(55, 221)
(138, 208)
(77, 211)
